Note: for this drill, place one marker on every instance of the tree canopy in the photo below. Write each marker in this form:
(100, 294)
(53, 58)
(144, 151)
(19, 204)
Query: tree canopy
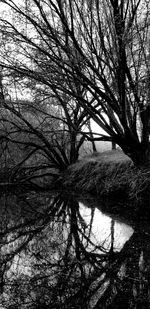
(94, 52)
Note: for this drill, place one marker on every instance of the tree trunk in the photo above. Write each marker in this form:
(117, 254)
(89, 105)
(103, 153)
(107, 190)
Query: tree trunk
(92, 137)
(138, 152)
(73, 149)
(113, 145)
(141, 159)
(140, 156)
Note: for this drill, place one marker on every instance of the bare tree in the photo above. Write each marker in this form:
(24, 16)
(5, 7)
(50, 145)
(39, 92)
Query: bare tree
(40, 135)
(102, 46)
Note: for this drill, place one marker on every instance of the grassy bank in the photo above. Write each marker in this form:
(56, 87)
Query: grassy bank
(99, 173)
(118, 187)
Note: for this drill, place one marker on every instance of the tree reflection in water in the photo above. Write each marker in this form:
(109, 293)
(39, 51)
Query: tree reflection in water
(50, 259)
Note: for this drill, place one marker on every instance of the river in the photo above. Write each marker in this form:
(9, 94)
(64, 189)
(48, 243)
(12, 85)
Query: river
(58, 252)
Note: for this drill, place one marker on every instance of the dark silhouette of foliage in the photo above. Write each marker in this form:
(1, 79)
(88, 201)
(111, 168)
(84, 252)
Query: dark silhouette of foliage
(94, 54)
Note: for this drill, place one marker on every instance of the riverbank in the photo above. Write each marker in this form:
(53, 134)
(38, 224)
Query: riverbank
(97, 174)
(120, 189)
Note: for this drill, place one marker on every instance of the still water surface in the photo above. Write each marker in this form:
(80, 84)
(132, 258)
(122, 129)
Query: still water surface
(60, 237)
(101, 227)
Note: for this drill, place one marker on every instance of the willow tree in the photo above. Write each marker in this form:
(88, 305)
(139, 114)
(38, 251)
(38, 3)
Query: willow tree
(102, 46)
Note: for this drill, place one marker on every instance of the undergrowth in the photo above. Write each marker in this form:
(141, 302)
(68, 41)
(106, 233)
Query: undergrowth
(96, 177)
(118, 186)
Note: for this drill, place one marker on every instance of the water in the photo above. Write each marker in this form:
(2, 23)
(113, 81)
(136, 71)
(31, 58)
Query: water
(101, 228)
(58, 251)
